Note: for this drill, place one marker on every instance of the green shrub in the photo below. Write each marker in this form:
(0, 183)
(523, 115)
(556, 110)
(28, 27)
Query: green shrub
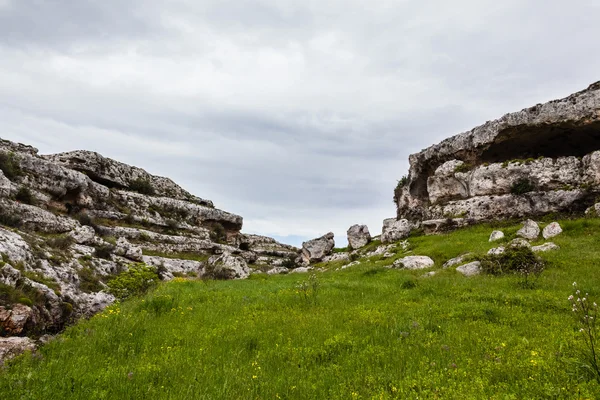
(86, 220)
(137, 280)
(62, 242)
(9, 164)
(143, 186)
(25, 196)
(464, 167)
(89, 281)
(409, 284)
(9, 219)
(218, 233)
(515, 260)
(522, 186)
(104, 251)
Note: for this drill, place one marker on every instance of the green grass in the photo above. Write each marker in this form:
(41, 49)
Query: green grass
(366, 332)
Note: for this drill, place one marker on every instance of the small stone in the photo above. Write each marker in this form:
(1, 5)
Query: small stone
(414, 262)
(470, 269)
(530, 230)
(545, 247)
(518, 242)
(456, 260)
(496, 235)
(301, 270)
(552, 230)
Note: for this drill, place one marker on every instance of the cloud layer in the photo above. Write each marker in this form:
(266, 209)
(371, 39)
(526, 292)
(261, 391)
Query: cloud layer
(299, 116)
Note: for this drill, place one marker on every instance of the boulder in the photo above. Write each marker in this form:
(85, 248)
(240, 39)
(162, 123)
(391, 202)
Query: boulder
(414, 262)
(395, 230)
(358, 236)
(545, 247)
(518, 242)
(13, 321)
(315, 250)
(227, 266)
(530, 230)
(456, 260)
(496, 235)
(278, 271)
(470, 269)
(11, 347)
(552, 230)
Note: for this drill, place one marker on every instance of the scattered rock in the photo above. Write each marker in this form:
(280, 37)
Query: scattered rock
(429, 274)
(336, 257)
(227, 266)
(470, 269)
(352, 264)
(518, 242)
(545, 247)
(530, 230)
(552, 230)
(414, 262)
(395, 230)
(496, 251)
(496, 235)
(315, 250)
(278, 271)
(11, 347)
(358, 236)
(456, 260)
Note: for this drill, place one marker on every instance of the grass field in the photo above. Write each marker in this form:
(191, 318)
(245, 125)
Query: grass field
(365, 332)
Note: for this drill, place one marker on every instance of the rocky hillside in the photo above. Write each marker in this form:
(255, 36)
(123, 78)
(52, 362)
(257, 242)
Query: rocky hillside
(536, 161)
(70, 222)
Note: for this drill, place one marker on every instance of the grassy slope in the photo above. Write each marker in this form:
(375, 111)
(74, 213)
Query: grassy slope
(367, 334)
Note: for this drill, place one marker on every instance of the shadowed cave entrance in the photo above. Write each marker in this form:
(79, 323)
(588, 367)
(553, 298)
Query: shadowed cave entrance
(556, 140)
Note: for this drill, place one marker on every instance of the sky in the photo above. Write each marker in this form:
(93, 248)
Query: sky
(298, 115)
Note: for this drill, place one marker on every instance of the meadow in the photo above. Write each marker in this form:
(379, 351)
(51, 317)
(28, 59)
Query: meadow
(365, 332)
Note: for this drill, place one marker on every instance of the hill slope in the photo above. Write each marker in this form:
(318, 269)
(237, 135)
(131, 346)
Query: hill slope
(365, 331)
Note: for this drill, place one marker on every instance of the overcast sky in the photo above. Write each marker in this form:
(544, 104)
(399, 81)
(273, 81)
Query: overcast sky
(297, 115)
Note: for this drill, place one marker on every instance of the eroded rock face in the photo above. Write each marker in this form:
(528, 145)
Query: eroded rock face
(395, 230)
(315, 250)
(536, 161)
(358, 236)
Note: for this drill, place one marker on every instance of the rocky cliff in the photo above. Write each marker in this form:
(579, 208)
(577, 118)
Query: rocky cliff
(71, 221)
(539, 160)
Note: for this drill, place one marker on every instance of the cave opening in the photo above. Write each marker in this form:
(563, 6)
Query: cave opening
(548, 140)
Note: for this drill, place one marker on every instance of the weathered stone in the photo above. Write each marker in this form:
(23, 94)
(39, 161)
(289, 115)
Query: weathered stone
(337, 257)
(13, 245)
(545, 247)
(395, 230)
(536, 150)
(530, 230)
(278, 271)
(456, 260)
(496, 235)
(551, 230)
(227, 266)
(470, 269)
(11, 347)
(315, 250)
(443, 225)
(128, 250)
(352, 264)
(414, 262)
(301, 270)
(358, 236)
(13, 321)
(83, 235)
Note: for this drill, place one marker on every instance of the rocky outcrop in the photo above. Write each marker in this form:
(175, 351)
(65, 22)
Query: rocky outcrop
(536, 161)
(358, 236)
(70, 222)
(315, 250)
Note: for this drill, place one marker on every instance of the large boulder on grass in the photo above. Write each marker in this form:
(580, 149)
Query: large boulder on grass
(358, 236)
(317, 249)
(530, 230)
(394, 230)
(552, 230)
(226, 266)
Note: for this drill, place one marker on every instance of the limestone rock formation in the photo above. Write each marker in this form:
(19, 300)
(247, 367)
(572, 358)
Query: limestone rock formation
(315, 250)
(536, 161)
(70, 222)
(358, 236)
(394, 230)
